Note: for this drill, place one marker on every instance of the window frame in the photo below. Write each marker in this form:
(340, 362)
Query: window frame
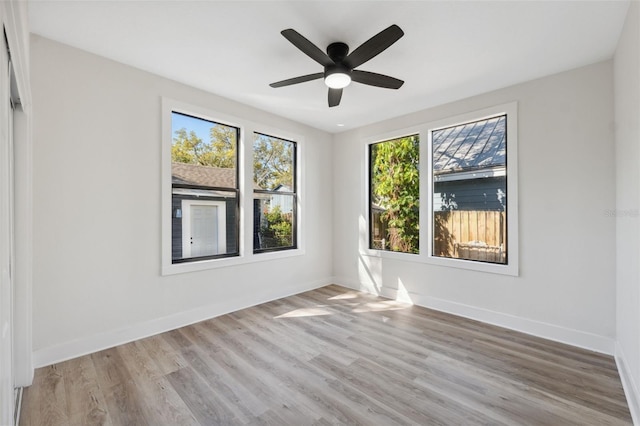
(371, 225)
(425, 254)
(237, 191)
(293, 193)
(245, 187)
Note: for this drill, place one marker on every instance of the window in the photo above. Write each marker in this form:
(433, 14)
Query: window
(274, 180)
(230, 191)
(469, 217)
(467, 182)
(394, 192)
(204, 189)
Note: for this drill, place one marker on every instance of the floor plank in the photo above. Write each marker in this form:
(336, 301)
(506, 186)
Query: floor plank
(86, 404)
(332, 356)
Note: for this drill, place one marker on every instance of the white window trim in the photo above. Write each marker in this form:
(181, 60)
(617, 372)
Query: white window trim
(425, 254)
(245, 164)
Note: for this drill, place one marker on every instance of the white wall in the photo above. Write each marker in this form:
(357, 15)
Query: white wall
(627, 118)
(566, 288)
(96, 274)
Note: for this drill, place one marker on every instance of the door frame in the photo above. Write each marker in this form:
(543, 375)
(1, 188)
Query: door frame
(7, 382)
(186, 224)
(14, 22)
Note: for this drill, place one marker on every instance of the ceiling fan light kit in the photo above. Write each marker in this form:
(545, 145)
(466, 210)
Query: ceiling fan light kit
(339, 65)
(337, 78)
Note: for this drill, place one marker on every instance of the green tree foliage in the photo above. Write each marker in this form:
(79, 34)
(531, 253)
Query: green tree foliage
(272, 157)
(272, 162)
(395, 188)
(187, 147)
(223, 147)
(219, 151)
(276, 232)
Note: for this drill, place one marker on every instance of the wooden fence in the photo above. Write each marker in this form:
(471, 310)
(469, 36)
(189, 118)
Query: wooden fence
(471, 234)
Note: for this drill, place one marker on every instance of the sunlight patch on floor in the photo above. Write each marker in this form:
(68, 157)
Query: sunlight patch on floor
(348, 295)
(386, 305)
(305, 312)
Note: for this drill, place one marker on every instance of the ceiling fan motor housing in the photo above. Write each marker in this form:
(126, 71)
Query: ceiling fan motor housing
(337, 51)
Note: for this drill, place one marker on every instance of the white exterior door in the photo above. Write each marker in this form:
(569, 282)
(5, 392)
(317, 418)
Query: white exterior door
(203, 228)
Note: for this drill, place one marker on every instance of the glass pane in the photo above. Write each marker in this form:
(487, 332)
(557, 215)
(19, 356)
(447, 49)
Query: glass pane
(203, 226)
(203, 153)
(204, 207)
(394, 195)
(273, 221)
(273, 164)
(469, 191)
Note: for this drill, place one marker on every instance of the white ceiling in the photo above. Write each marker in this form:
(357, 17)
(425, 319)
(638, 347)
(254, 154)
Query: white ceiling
(450, 50)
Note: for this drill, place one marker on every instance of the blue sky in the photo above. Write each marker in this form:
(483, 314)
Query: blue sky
(201, 127)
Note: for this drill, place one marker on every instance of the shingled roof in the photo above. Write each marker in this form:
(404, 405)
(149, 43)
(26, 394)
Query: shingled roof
(195, 174)
(471, 146)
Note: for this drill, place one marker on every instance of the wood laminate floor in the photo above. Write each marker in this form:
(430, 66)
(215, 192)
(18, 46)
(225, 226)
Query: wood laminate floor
(332, 356)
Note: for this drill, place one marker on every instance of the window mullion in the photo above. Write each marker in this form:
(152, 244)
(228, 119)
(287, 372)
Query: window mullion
(426, 195)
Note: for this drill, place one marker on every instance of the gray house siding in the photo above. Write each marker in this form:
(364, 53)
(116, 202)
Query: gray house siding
(487, 194)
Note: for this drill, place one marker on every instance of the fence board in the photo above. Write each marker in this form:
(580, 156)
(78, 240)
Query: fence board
(471, 234)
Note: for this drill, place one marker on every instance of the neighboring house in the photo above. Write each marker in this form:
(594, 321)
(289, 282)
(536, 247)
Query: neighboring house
(203, 219)
(469, 166)
(284, 202)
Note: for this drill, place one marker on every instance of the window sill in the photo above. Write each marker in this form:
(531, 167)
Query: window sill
(203, 265)
(470, 265)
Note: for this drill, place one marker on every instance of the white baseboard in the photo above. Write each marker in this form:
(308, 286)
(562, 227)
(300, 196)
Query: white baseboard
(553, 332)
(629, 384)
(90, 344)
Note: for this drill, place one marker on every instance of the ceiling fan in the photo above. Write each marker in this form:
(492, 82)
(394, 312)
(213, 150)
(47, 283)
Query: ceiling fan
(339, 65)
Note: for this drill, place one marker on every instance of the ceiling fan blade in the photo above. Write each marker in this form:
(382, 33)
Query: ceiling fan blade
(334, 97)
(374, 79)
(375, 45)
(296, 80)
(308, 48)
